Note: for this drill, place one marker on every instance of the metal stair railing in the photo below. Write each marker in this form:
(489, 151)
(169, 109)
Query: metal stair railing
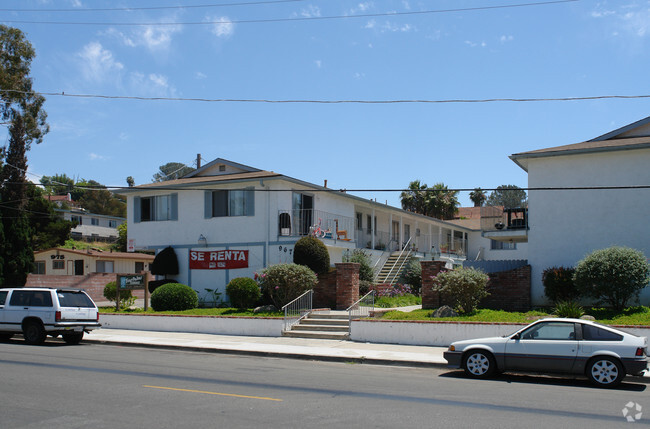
(375, 270)
(361, 308)
(297, 309)
(399, 257)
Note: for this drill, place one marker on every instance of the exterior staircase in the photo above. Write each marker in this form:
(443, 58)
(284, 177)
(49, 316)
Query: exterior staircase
(332, 325)
(393, 268)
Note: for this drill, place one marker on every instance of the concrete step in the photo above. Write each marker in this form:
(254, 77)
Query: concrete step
(344, 316)
(320, 328)
(317, 335)
(323, 321)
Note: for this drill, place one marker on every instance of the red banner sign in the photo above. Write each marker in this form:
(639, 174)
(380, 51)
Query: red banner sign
(218, 259)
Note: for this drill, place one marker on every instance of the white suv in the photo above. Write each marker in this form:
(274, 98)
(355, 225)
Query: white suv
(38, 312)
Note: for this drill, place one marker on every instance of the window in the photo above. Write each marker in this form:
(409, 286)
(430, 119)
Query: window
(112, 224)
(359, 221)
(94, 221)
(58, 265)
(3, 297)
(104, 267)
(31, 298)
(157, 208)
(75, 218)
(231, 202)
(139, 267)
(39, 267)
(369, 224)
(74, 299)
(550, 331)
(501, 245)
(593, 333)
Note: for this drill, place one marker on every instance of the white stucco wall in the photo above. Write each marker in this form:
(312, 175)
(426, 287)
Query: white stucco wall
(567, 225)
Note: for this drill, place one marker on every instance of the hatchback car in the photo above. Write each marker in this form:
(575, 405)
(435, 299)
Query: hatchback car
(570, 346)
(39, 312)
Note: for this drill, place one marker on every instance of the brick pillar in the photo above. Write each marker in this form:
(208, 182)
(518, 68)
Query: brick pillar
(430, 298)
(347, 284)
(325, 290)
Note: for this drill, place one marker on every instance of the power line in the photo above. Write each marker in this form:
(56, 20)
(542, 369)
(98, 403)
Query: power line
(300, 18)
(313, 101)
(128, 9)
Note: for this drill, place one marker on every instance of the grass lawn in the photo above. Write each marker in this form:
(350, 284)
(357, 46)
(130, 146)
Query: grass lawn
(630, 316)
(199, 312)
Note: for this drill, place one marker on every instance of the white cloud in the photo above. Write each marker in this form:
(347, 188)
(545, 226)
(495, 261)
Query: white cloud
(199, 75)
(152, 84)
(98, 64)
(504, 38)
(370, 24)
(154, 38)
(390, 27)
(358, 75)
(310, 12)
(96, 157)
(361, 8)
(475, 44)
(318, 63)
(221, 26)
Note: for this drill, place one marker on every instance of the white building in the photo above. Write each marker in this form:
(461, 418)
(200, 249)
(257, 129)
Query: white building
(92, 227)
(228, 220)
(609, 207)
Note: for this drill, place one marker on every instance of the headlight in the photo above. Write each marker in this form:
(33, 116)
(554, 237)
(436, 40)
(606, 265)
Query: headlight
(452, 348)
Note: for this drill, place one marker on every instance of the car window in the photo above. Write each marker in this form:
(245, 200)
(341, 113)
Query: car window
(550, 331)
(3, 297)
(20, 297)
(41, 299)
(74, 299)
(594, 333)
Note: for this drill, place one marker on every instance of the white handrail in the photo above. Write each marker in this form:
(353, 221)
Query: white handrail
(398, 258)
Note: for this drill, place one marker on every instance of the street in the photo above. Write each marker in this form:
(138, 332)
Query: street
(102, 386)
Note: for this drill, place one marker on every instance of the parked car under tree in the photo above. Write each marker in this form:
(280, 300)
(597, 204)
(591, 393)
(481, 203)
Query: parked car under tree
(565, 346)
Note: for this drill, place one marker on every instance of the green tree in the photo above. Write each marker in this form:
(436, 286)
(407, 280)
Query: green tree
(172, 171)
(614, 275)
(466, 287)
(97, 199)
(130, 181)
(122, 237)
(441, 202)
(59, 184)
(508, 196)
(415, 198)
(478, 197)
(49, 229)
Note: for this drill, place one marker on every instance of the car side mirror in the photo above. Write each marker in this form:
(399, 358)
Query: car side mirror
(516, 337)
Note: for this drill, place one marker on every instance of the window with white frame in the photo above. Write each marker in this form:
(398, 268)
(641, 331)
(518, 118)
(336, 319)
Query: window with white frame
(94, 221)
(230, 202)
(502, 245)
(58, 264)
(112, 223)
(39, 267)
(156, 208)
(75, 218)
(104, 267)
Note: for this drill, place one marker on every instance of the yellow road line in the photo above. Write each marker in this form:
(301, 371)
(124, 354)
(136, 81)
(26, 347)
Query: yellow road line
(214, 393)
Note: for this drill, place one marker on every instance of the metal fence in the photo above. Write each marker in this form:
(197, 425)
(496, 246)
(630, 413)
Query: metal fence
(297, 309)
(363, 307)
(296, 223)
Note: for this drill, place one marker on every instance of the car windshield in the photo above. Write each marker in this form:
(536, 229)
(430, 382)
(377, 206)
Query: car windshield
(74, 299)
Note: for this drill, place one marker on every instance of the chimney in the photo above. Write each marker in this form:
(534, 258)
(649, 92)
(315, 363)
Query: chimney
(198, 161)
(325, 184)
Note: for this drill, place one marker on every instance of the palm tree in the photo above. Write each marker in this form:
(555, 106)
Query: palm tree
(441, 202)
(415, 198)
(478, 197)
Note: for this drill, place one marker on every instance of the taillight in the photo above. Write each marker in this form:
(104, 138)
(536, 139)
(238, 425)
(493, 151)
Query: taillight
(57, 316)
(639, 352)
(97, 316)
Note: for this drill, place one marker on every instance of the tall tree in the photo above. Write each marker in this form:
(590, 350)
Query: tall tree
(59, 184)
(172, 171)
(21, 108)
(441, 202)
(130, 181)
(508, 196)
(478, 197)
(97, 199)
(49, 229)
(415, 198)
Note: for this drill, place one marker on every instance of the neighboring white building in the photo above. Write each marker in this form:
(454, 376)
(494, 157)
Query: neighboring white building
(92, 227)
(246, 219)
(566, 225)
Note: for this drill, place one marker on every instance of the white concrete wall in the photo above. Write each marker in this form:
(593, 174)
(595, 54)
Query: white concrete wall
(565, 226)
(476, 241)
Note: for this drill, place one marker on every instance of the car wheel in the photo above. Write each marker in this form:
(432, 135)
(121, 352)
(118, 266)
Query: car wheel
(479, 364)
(605, 371)
(34, 333)
(74, 338)
(5, 337)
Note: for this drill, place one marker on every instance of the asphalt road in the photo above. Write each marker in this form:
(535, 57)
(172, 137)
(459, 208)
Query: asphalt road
(100, 386)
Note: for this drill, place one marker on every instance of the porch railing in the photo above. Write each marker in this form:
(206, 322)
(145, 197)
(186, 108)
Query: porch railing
(297, 309)
(390, 276)
(296, 223)
(363, 307)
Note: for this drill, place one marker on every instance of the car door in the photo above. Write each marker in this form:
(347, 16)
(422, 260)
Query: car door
(548, 346)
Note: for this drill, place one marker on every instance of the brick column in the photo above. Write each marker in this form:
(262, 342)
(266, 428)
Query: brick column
(430, 298)
(325, 290)
(347, 284)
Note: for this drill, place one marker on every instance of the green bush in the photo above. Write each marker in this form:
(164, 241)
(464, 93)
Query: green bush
(243, 292)
(359, 256)
(559, 285)
(568, 309)
(465, 287)
(311, 252)
(126, 297)
(412, 276)
(285, 282)
(614, 275)
(174, 297)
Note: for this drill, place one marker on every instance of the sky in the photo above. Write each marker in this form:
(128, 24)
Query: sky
(448, 53)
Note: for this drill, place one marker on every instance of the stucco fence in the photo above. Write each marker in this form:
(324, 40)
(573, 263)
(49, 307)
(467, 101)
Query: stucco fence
(372, 331)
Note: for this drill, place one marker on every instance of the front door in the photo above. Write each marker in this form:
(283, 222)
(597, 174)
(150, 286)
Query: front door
(545, 346)
(79, 267)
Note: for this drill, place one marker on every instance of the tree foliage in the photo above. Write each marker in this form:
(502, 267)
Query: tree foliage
(478, 197)
(559, 285)
(172, 171)
(614, 275)
(312, 252)
(286, 282)
(466, 287)
(437, 201)
(48, 227)
(508, 196)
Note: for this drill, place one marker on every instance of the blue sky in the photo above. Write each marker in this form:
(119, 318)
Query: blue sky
(570, 49)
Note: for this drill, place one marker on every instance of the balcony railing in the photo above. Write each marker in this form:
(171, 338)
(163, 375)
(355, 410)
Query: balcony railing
(296, 223)
(498, 218)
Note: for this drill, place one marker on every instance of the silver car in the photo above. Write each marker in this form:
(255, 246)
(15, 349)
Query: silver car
(570, 346)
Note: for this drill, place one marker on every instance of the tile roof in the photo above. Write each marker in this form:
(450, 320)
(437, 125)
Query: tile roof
(110, 255)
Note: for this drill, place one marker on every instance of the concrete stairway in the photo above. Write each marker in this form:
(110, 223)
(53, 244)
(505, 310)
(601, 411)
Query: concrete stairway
(332, 325)
(393, 268)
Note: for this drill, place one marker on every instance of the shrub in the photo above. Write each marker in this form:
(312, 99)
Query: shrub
(466, 287)
(413, 275)
(174, 297)
(558, 284)
(614, 275)
(311, 252)
(126, 297)
(366, 272)
(243, 292)
(285, 282)
(568, 309)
